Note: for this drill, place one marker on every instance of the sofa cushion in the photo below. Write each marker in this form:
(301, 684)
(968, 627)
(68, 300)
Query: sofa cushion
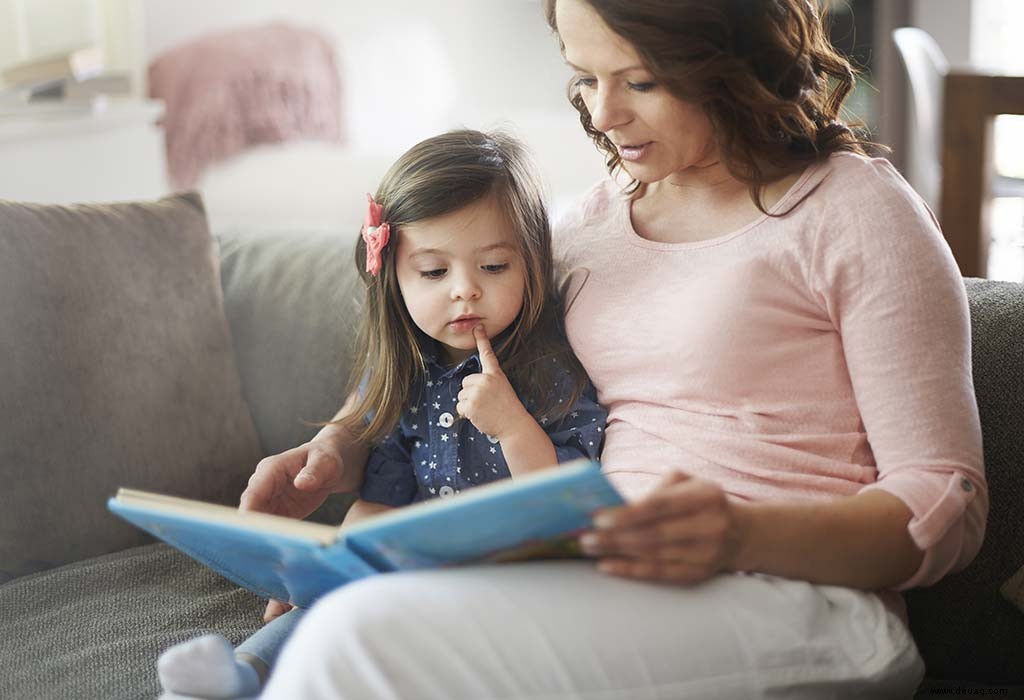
(292, 304)
(117, 370)
(964, 627)
(94, 629)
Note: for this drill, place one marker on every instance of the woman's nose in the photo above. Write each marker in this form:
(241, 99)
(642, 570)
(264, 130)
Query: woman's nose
(605, 112)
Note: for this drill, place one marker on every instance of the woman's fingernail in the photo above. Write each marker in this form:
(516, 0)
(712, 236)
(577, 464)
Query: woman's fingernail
(588, 542)
(603, 520)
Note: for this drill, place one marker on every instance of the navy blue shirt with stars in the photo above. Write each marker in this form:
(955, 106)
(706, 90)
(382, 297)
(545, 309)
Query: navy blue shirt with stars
(433, 453)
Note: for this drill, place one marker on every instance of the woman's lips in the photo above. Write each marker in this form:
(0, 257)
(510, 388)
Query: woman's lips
(635, 152)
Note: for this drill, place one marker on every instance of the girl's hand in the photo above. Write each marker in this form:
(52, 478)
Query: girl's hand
(487, 399)
(275, 608)
(685, 531)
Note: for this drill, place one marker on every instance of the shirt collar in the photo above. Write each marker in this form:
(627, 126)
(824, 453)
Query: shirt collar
(433, 355)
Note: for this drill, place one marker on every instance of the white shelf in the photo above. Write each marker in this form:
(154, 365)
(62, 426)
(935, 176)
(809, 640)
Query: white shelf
(110, 114)
(113, 154)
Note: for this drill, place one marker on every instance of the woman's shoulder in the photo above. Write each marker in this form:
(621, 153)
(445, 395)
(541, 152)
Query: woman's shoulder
(852, 195)
(594, 204)
(855, 179)
(865, 212)
(586, 217)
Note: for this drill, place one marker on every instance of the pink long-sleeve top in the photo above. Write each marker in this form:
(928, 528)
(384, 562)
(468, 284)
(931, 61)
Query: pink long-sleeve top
(815, 355)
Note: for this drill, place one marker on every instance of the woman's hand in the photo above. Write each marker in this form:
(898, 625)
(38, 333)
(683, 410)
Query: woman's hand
(487, 398)
(295, 482)
(685, 531)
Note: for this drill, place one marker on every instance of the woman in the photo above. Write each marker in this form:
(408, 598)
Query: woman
(781, 338)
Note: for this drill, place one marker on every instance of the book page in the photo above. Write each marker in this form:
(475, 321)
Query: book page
(214, 513)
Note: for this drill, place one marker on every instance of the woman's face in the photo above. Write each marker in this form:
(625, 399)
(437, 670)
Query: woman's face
(656, 134)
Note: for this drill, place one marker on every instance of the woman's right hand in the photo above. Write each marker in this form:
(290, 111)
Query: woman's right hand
(293, 484)
(296, 482)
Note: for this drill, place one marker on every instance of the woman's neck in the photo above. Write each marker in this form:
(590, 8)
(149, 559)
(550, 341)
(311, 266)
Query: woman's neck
(700, 203)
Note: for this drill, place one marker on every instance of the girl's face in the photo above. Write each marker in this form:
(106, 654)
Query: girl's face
(656, 134)
(460, 270)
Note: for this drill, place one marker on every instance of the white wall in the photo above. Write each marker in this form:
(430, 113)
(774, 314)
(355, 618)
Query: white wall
(975, 33)
(949, 22)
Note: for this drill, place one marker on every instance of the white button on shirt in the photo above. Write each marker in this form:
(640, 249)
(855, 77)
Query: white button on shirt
(445, 420)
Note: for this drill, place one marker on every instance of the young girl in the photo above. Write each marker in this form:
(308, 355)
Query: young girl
(463, 376)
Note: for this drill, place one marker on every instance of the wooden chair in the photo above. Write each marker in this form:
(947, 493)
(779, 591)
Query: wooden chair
(949, 156)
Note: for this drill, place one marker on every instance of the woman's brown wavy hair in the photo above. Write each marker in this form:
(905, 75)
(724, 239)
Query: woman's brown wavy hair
(763, 70)
(443, 174)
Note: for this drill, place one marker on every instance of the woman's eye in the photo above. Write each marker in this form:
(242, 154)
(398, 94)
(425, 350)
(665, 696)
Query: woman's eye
(582, 82)
(642, 87)
(495, 268)
(433, 274)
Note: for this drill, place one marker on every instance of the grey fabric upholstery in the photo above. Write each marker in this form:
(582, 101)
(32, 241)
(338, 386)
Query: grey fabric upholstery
(95, 628)
(964, 628)
(291, 305)
(116, 369)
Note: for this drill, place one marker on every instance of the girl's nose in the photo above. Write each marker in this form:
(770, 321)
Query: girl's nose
(465, 288)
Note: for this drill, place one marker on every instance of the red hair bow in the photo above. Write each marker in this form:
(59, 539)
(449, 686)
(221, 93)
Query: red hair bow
(376, 235)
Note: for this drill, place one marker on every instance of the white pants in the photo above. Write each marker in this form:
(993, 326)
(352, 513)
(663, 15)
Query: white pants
(562, 630)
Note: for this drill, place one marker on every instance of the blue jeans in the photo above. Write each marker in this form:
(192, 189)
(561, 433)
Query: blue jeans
(268, 641)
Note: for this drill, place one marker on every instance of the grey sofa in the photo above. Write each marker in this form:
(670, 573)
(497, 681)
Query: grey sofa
(88, 603)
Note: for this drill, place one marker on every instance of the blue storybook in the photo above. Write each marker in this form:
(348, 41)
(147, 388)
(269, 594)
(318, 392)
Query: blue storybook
(535, 516)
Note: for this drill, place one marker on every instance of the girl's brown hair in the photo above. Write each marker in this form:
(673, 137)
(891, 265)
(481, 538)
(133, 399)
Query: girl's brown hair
(437, 176)
(763, 70)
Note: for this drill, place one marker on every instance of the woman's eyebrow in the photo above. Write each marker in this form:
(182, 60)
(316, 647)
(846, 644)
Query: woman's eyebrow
(614, 73)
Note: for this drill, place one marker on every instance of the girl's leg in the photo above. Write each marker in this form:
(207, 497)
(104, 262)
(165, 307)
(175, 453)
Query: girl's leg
(561, 629)
(261, 649)
(208, 667)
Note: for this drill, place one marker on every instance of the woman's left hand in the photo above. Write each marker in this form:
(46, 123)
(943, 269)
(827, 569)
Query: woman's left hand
(685, 531)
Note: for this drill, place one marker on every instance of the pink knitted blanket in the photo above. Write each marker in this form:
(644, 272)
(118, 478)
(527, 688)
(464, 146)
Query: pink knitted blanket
(224, 92)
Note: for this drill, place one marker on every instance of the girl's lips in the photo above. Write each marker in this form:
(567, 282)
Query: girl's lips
(464, 325)
(634, 153)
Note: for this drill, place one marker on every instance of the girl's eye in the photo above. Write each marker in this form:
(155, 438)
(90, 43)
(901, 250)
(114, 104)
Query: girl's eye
(642, 87)
(495, 268)
(433, 274)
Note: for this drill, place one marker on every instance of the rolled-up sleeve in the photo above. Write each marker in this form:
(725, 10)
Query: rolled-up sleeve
(949, 508)
(389, 478)
(579, 434)
(897, 297)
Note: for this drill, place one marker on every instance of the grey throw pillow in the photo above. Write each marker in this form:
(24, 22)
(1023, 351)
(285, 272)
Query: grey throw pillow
(116, 369)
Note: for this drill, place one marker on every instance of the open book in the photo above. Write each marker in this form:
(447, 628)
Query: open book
(296, 561)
